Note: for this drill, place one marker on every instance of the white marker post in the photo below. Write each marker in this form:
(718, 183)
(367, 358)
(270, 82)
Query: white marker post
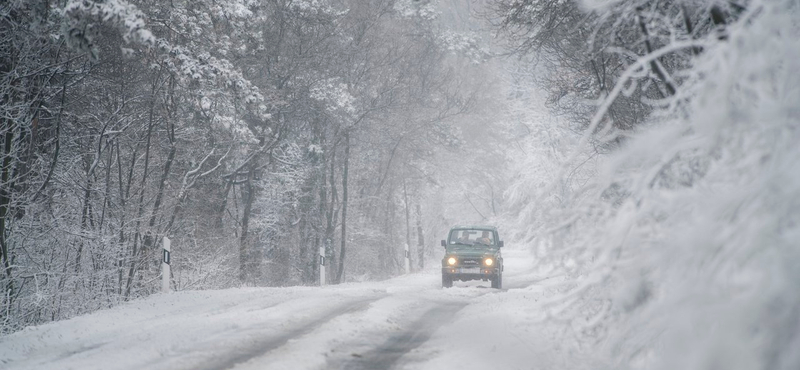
(165, 266)
(408, 260)
(321, 266)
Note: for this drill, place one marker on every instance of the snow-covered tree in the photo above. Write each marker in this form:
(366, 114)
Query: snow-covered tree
(677, 250)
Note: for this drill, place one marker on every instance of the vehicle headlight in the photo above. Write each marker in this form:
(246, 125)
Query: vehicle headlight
(451, 261)
(488, 262)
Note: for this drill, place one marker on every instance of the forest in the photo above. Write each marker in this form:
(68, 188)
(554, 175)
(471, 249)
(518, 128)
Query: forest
(251, 133)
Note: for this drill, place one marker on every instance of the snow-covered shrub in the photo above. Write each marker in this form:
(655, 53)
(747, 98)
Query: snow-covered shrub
(685, 253)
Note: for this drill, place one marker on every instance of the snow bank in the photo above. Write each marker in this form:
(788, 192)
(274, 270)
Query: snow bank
(180, 330)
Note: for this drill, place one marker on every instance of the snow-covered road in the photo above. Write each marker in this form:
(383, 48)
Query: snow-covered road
(409, 322)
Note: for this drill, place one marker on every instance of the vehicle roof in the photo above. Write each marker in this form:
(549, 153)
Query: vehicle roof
(475, 227)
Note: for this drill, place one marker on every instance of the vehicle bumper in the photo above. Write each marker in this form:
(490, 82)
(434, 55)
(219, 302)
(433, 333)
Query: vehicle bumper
(470, 273)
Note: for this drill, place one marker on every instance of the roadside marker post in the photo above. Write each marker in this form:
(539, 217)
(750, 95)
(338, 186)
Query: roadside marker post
(408, 260)
(165, 260)
(321, 266)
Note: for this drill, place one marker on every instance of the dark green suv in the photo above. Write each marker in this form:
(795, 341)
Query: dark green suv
(472, 253)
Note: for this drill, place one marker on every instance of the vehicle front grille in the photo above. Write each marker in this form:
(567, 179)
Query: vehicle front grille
(470, 262)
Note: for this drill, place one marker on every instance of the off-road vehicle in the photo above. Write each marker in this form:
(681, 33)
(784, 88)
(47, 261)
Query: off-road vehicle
(472, 253)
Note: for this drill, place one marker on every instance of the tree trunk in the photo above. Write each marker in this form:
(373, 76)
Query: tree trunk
(170, 106)
(122, 201)
(420, 239)
(408, 218)
(388, 260)
(343, 250)
(87, 195)
(655, 66)
(54, 162)
(5, 201)
(142, 188)
(6, 124)
(161, 184)
(151, 239)
(223, 204)
(330, 215)
(244, 250)
(107, 191)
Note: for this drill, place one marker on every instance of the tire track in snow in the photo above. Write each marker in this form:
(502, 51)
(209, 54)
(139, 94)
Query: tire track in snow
(388, 354)
(259, 347)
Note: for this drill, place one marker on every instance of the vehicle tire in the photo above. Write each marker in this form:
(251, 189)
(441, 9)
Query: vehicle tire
(497, 282)
(447, 282)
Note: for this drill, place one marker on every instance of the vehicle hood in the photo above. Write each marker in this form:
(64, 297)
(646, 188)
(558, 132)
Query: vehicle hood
(469, 251)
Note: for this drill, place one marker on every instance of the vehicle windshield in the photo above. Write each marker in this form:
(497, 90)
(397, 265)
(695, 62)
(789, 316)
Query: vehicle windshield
(471, 237)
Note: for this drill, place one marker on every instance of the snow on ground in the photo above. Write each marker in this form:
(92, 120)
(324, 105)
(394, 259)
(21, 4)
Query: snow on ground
(515, 329)
(186, 327)
(406, 322)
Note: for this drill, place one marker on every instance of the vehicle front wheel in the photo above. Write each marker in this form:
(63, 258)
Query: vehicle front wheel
(497, 282)
(447, 282)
